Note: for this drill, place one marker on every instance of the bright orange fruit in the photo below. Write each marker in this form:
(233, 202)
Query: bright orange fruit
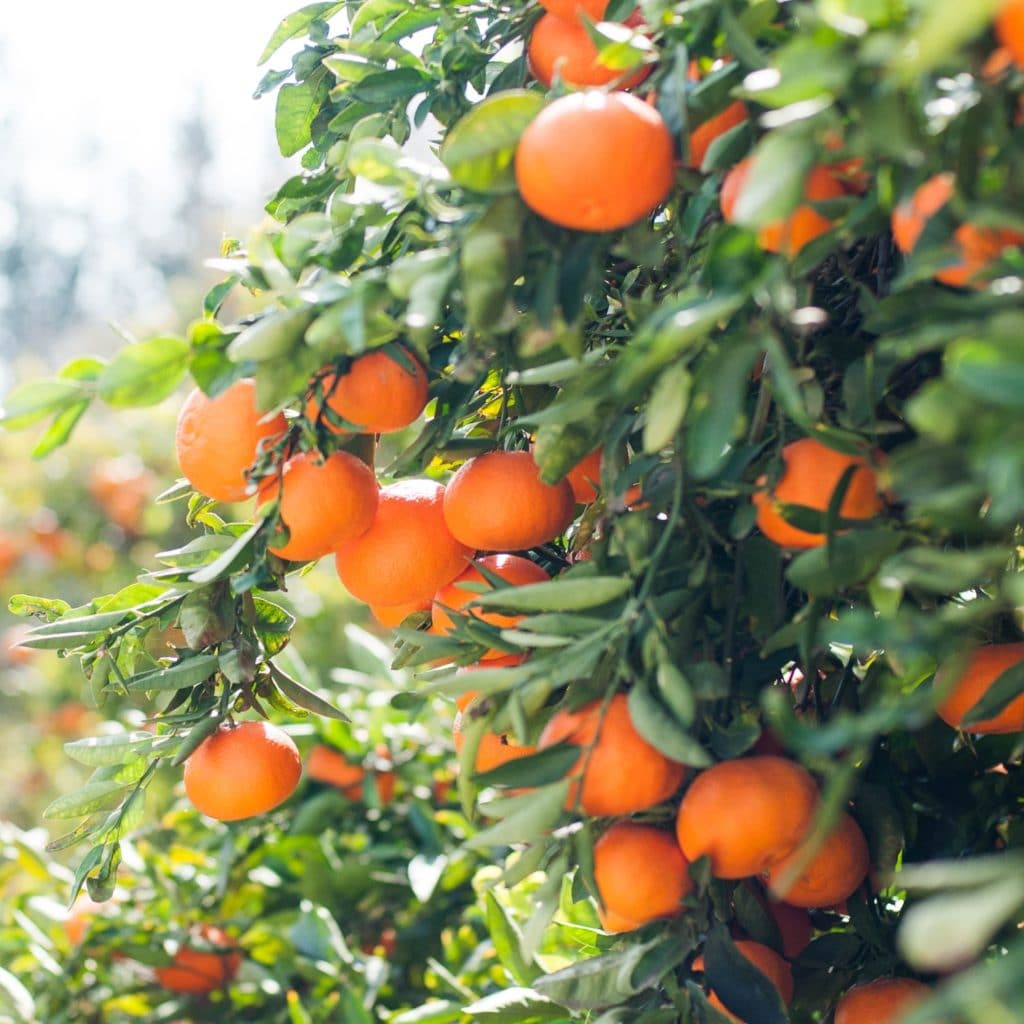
(984, 666)
(196, 971)
(885, 1001)
(563, 46)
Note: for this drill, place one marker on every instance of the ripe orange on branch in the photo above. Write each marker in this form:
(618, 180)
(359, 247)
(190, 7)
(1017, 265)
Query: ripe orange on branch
(383, 390)
(242, 770)
(641, 875)
(746, 814)
(623, 772)
(811, 475)
(885, 1001)
(982, 668)
(595, 161)
(1010, 29)
(194, 971)
(562, 46)
(497, 502)
(513, 569)
(768, 962)
(834, 872)
(572, 8)
(217, 439)
(789, 235)
(408, 553)
(324, 503)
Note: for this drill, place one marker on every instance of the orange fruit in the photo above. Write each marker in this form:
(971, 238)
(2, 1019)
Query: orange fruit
(408, 553)
(242, 770)
(594, 9)
(803, 225)
(885, 1001)
(324, 503)
(384, 390)
(391, 615)
(834, 873)
(984, 666)
(495, 749)
(747, 814)
(811, 474)
(794, 927)
(640, 874)
(910, 217)
(121, 487)
(563, 46)
(217, 439)
(326, 765)
(497, 502)
(195, 971)
(1010, 29)
(585, 477)
(623, 772)
(978, 247)
(767, 961)
(707, 131)
(454, 597)
(595, 161)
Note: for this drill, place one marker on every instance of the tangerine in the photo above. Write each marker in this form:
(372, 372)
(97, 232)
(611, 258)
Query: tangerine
(495, 749)
(242, 770)
(747, 814)
(498, 502)
(453, 597)
(789, 235)
(834, 872)
(984, 666)
(218, 439)
(573, 8)
(585, 477)
(195, 971)
(767, 961)
(595, 161)
(326, 765)
(1009, 29)
(324, 503)
(408, 553)
(622, 772)
(382, 391)
(563, 47)
(811, 474)
(641, 875)
(884, 1001)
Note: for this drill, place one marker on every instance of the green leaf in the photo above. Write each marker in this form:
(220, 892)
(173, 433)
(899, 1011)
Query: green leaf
(537, 816)
(233, 558)
(775, 181)
(297, 106)
(42, 607)
(200, 731)
(595, 982)
(391, 86)
(991, 369)
(144, 374)
(479, 149)
(16, 998)
(560, 595)
(271, 336)
(540, 769)
(847, 559)
(297, 23)
(656, 726)
(36, 400)
(304, 697)
(60, 429)
(91, 797)
(187, 672)
(507, 942)
(666, 407)
(273, 625)
(118, 748)
(513, 1006)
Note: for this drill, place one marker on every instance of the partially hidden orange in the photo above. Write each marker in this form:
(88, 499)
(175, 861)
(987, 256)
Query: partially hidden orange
(208, 959)
(885, 1001)
(562, 47)
(980, 671)
(768, 962)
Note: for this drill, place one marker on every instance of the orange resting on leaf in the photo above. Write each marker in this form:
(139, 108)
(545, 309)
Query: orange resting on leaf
(624, 773)
(595, 161)
(641, 875)
(514, 569)
(746, 814)
(242, 770)
(810, 477)
(383, 390)
(198, 970)
(217, 439)
(983, 667)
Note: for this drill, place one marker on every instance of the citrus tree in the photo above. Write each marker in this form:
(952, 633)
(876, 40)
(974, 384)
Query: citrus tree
(667, 406)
